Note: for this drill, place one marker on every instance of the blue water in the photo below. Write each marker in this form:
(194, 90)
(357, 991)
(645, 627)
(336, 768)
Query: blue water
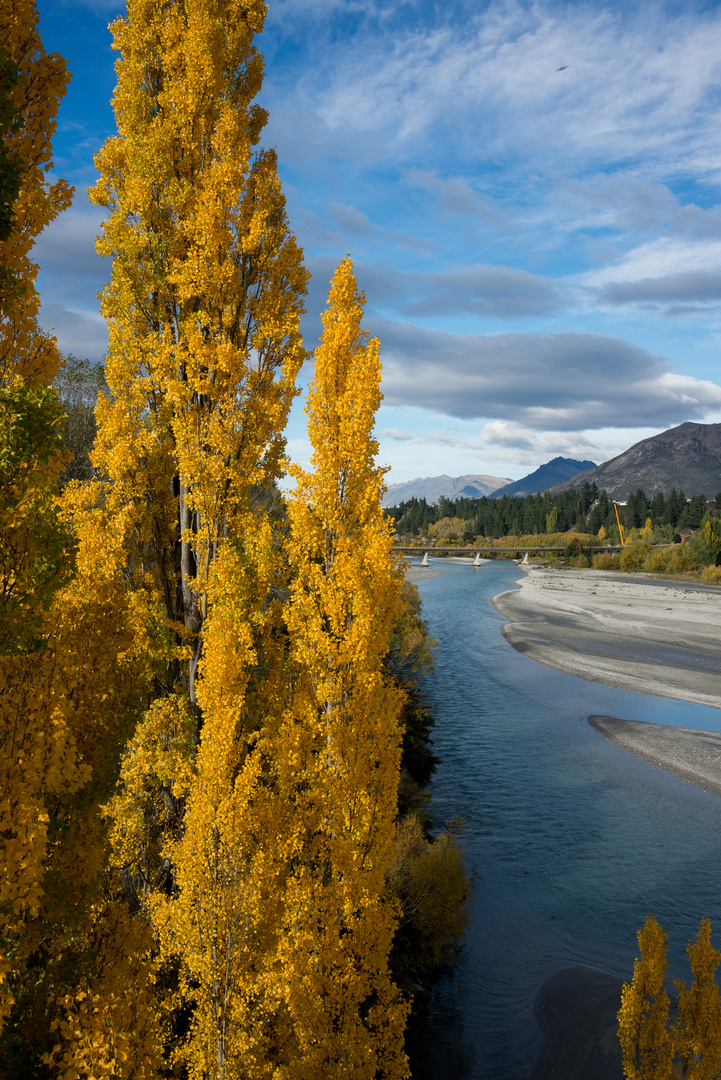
(570, 841)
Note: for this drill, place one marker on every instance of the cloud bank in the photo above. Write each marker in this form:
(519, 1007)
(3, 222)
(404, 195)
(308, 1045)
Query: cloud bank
(560, 382)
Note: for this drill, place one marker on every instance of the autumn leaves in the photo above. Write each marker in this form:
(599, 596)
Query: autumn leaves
(199, 747)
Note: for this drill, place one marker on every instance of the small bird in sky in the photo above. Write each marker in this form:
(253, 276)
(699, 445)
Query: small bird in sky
(562, 68)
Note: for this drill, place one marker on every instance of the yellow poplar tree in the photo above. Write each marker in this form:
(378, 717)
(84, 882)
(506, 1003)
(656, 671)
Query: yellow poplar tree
(66, 668)
(37, 759)
(204, 303)
(689, 1048)
(342, 738)
(42, 80)
(203, 312)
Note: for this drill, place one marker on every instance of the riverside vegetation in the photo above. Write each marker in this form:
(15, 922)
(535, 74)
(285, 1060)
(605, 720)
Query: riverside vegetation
(216, 862)
(576, 524)
(213, 755)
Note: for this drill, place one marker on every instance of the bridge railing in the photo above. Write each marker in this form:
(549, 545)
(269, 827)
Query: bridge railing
(471, 551)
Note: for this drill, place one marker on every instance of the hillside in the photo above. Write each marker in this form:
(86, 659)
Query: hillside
(557, 471)
(432, 488)
(687, 456)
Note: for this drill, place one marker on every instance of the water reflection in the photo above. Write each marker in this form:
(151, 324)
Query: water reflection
(570, 840)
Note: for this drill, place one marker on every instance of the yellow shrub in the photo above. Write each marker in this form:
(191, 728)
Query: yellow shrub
(448, 528)
(604, 560)
(657, 561)
(633, 557)
(682, 557)
(711, 575)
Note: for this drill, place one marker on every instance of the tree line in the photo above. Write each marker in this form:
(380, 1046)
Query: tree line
(586, 510)
(214, 847)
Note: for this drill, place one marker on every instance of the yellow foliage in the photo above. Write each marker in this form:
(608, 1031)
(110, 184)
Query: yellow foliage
(528, 540)
(203, 311)
(39, 761)
(605, 560)
(110, 1030)
(690, 1046)
(633, 556)
(25, 353)
(676, 558)
(447, 528)
(643, 1018)
(342, 728)
(204, 303)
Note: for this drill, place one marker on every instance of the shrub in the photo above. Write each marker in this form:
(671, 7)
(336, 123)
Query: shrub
(683, 557)
(430, 882)
(657, 560)
(711, 575)
(634, 556)
(606, 561)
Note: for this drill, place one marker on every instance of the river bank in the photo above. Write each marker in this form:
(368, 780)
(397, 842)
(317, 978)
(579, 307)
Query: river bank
(640, 634)
(631, 631)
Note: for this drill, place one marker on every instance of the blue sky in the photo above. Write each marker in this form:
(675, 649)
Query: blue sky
(530, 194)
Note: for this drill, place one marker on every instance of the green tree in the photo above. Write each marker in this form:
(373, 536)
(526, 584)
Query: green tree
(79, 382)
(708, 541)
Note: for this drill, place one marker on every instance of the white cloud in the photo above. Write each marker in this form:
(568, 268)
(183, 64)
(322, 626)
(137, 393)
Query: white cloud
(65, 250)
(641, 86)
(71, 273)
(558, 382)
(454, 194)
(659, 258)
(79, 331)
(692, 287)
(617, 201)
(521, 446)
(396, 433)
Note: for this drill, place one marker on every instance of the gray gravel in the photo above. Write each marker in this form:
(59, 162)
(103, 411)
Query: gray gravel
(629, 631)
(694, 756)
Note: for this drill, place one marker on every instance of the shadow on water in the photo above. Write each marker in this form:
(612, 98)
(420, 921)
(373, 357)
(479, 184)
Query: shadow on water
(570, 841)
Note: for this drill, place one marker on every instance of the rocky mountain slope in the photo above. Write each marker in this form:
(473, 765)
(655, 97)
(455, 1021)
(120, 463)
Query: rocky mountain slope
(687, 456)
(432, 488)
(553, 472)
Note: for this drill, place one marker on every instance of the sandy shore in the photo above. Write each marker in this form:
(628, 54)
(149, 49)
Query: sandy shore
(692, 755)
(420, 573)
(637, 632)
(642, 634)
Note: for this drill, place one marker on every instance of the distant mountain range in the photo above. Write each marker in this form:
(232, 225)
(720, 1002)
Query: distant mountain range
(557, 471)
(687, 456)
(433, 488)
(473, 485)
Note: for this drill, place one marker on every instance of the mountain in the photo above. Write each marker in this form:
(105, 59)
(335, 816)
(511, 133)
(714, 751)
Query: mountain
(687, 456)
(553, 472)
(432, 488)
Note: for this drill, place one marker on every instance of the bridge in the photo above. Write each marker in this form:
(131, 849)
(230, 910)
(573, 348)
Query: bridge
(470, 552)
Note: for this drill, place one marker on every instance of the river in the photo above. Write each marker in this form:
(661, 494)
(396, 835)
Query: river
(570, 841)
